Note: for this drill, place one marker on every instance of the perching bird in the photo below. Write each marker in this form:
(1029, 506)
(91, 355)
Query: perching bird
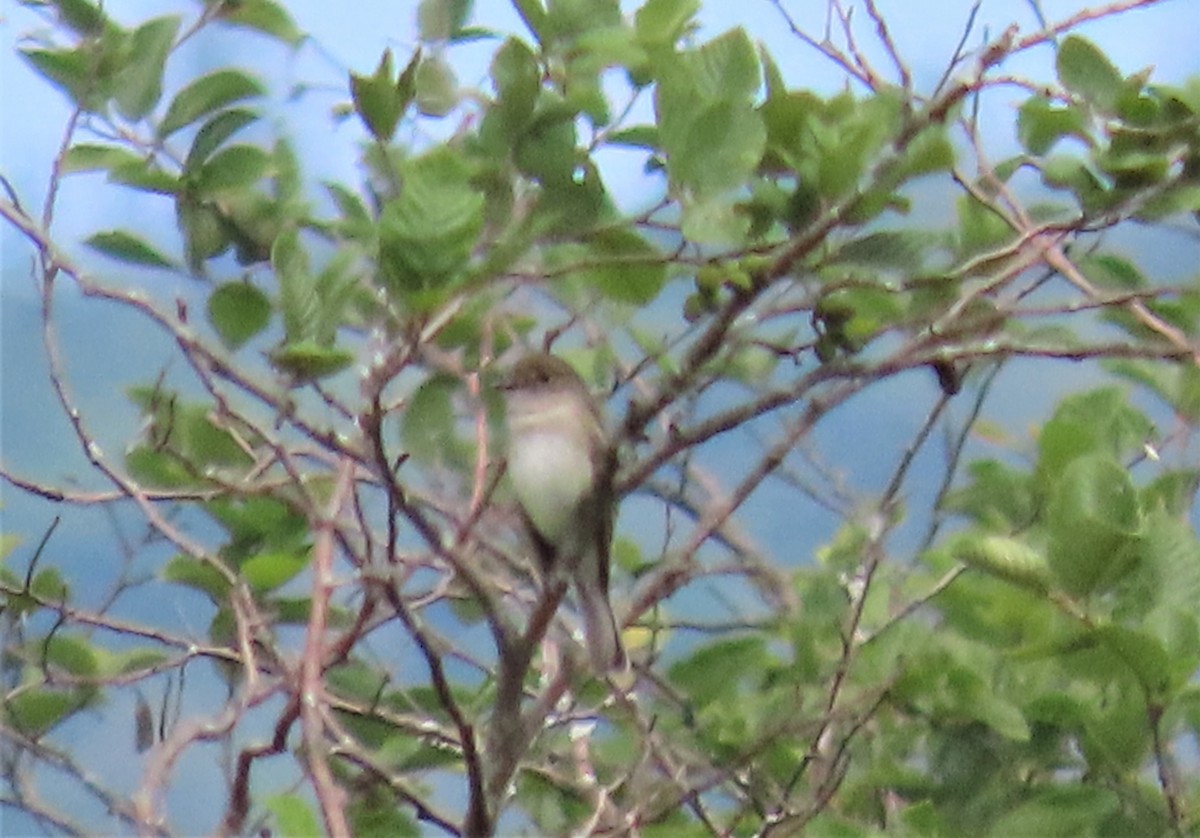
(562, 469)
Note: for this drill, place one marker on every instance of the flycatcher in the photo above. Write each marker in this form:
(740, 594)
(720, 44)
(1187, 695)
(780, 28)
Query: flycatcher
(562, 471)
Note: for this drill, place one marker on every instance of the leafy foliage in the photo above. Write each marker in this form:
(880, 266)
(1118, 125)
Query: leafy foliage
(1013, 652)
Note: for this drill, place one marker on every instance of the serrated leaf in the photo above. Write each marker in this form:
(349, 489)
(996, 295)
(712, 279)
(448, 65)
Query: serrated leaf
(426, 235)
(238, 311)
(205, 95)
(126, 247)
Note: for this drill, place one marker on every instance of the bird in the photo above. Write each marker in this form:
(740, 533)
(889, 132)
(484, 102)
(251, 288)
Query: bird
(561, 468)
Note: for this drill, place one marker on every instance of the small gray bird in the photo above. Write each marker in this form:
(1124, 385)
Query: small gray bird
(562, 469)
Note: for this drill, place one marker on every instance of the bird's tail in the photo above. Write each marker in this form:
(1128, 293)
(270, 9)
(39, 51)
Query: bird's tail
(601, 633)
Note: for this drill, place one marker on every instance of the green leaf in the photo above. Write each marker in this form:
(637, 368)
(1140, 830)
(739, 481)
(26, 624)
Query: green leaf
(426, 235)
(135, 660)
(637, 136)
(1059, 812)
(1142, 653)
(1173, 492)
(442, 20)
(625, 268)
(1108, 270)
(1085, 70)
(49, 585)
(533, 13)
(268, 571)
(436, 87)
(427, 430)
(898, 250)
(308, 361)
(264, 16)
(126, 247)
(34, 712)
(1170, 202)
(661, 23)
(930, 151)
(999, 497)
(292, 815)
(1040, 124)
(137, 87)
(381, 102)
(1092, 517)
(1006, 558)
(158, 469)
(81, 16)
(1002, 716)
(1100, 422)
(714, 220)
(73, 71)
(720, 669)
(232, 169)
(203, 234)
(144, 175)
(517, 78)
(238, 311)
(722, 146)
(216, 131)
(90, 158)
(191, 572)
(205, 95)
(724, 68)
(70, 654)
(547, 153)
(297, 291)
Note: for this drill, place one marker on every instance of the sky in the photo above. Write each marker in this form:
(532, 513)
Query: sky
(107, 350)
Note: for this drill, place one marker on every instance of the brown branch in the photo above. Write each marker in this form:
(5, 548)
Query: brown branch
(330, 796)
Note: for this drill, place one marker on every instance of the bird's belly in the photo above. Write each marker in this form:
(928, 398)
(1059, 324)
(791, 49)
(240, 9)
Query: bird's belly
(551, 473)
